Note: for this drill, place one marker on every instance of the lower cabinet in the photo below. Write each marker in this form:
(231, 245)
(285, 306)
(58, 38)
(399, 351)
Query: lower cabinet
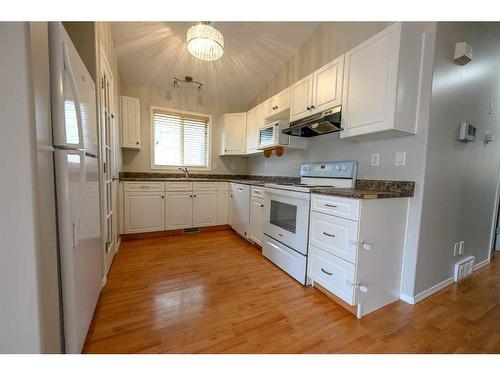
(179, 209)
(256, 213)
(204, 208)
(239, 210)
(222, 207)
(356, 249)
(158, 206)
(144, 211)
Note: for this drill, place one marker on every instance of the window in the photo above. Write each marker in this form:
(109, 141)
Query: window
(179, 139)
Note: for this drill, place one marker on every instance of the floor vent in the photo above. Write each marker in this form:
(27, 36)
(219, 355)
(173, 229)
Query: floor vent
(191, 230)
(464, 268)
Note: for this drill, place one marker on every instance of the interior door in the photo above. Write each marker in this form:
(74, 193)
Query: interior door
(107, 140)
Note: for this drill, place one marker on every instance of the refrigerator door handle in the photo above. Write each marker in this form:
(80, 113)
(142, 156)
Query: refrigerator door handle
(72, 82)
(76, 224)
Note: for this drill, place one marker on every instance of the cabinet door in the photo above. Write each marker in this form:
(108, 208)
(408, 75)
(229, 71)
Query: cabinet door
(222, 207)
(144, 212)
(234, 133)
(230, 212)
(370, 84)
(256, 217)
(275, 106)
(204, 208)
(252, 135)
(241, 209)
(301, 98)
(131, 122)
(327, 90)
(179, 209)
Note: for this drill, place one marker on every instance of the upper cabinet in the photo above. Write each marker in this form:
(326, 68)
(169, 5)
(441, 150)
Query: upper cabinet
(233, 133)
(277, 107)
(131, 122)
(381, 84)
(317, 91)
(255, 120)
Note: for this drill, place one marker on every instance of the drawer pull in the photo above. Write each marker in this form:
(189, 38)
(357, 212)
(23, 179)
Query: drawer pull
(145, 186)
(328, 273)
(328, 234)
(331, 205)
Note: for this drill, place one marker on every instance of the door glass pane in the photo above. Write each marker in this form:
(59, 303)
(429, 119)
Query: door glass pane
(284, 215)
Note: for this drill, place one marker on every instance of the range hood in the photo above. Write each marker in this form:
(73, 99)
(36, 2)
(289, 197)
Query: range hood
(321, 123)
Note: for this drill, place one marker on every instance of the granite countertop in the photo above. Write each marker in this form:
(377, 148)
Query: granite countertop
(172, 179)
(358, 193)
(249, 182)
(372, 189)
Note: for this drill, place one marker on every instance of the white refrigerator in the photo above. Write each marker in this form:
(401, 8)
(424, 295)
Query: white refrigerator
(76, 152)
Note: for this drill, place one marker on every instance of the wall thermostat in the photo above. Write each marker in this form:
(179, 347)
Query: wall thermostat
(467, 132)
(463, 53)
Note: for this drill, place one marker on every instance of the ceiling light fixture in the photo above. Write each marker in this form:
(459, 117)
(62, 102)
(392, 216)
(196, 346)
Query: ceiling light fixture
(205, 42)
(188, 80)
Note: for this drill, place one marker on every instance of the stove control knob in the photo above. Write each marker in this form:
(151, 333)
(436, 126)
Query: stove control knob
(344, 167)
(337, 167)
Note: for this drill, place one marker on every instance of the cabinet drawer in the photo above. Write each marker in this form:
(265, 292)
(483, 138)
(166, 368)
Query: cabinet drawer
(205, 185)
(257, 192)
(179, 186)
(143, 186)
(333, 273)
(334, 235)
(223, 186)
(342, 207)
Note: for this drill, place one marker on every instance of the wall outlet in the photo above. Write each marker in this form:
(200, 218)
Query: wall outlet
(375, 160)
(461, 247)
(214, 165)
(400, 159)
(456, 248)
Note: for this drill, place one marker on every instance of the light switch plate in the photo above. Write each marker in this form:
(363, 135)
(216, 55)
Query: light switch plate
(375, 160)
(400, 160)
(462, 247)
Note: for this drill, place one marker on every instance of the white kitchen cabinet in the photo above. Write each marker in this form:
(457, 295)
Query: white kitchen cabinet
(256, 217)
(179, 209)
(255, 121)
(222, 207)
(356, 249)
(233, 133)
(131, 122)
(240, 208)
(204, 208)
(381, 84)
(144, 211)
(318, 91)
(278, 106)
(301, 98)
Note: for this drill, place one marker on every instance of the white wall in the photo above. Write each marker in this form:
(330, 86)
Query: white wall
(20, 330)
(140, 161)
(460, 179)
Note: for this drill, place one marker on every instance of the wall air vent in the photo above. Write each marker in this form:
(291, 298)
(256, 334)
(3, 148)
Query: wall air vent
(464, 268)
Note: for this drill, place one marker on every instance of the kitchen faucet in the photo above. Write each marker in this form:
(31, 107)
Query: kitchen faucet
(186, 172)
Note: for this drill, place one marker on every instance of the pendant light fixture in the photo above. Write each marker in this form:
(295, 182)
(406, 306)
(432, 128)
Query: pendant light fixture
(205, 42)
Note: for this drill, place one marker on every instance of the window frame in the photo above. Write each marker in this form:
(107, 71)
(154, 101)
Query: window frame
(176, 167)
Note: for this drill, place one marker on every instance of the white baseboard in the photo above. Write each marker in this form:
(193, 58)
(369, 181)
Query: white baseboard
(426, 293)
(407, 298)
(117, 246)
(481, 264)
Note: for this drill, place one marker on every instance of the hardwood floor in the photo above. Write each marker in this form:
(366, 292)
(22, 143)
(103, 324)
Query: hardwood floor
(214, 293)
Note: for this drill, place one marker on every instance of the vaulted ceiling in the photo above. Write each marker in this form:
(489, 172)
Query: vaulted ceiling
(152, 53)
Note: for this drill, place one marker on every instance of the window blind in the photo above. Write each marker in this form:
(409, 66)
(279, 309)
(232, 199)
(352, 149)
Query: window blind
(180, 139)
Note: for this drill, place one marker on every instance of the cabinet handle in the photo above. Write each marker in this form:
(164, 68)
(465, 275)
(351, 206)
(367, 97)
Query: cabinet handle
(262, 205)
(191, 195)
(136, 143)
(308, 108)
(331, 205)
(162, 197)
(194, 195)
(328, 234)
(328, 273)
(312, 107)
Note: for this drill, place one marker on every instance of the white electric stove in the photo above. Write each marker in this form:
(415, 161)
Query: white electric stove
(286, 219)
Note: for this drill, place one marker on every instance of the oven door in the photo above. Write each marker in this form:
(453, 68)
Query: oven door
(287, 217)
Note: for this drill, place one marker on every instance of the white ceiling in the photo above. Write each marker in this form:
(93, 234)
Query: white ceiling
(152, 53)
